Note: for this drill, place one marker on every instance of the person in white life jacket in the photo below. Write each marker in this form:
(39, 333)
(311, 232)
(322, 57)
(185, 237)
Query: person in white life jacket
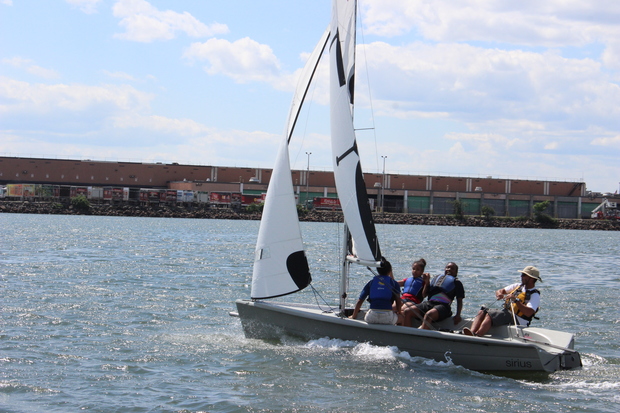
(522, 303)
(413, 289)
(441, 291)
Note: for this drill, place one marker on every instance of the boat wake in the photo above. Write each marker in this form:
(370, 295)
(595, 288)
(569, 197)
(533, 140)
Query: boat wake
(369, 352)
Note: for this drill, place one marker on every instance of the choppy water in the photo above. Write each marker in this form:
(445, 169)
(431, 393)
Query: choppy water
(107, 314)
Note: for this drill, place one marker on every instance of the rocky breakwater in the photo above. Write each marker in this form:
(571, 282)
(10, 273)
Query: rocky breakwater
(204, 212)
(156, 211)
(497, 222)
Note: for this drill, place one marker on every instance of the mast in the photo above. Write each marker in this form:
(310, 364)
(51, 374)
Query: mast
(344, 272)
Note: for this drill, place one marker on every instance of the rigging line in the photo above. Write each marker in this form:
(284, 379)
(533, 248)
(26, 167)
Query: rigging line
(304, 103)
(318, 295)
(309, 105)
(339, 249)
(372, 110)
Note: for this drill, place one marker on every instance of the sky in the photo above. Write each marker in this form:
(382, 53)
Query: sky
(513, 90)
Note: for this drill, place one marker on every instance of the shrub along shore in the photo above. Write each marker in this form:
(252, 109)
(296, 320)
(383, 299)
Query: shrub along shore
(203, 212)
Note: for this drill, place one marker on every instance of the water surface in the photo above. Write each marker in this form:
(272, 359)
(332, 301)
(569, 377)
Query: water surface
(115, 314)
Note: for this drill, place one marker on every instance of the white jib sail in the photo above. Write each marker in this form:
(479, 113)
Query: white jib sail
(280, 264)
(347, 168)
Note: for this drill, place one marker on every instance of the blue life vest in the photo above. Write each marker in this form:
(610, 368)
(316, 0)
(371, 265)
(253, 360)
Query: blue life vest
(413, 287)
(382, 292)
(442, 288)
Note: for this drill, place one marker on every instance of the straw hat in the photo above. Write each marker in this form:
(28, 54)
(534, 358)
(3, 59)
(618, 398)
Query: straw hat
(531, 271)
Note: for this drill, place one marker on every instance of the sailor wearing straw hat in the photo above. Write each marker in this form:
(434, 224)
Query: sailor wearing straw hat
(522, 303)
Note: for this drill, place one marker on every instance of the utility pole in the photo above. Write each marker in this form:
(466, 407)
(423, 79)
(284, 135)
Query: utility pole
(383, 185)
(308, 178)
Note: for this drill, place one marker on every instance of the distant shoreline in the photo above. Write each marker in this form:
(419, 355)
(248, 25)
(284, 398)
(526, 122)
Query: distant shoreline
(201, 212)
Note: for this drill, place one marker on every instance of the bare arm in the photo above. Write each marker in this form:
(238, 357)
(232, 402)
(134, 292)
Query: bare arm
(525, 310)
(426, 277)
(459, 306)
(357, 308)
(499, 294)
(399, 304)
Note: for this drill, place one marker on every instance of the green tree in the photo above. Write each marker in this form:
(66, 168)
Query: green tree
(459, 208)
(301, 210)
(540, 214)
(487, 211)
(80, 203)
(255, 207)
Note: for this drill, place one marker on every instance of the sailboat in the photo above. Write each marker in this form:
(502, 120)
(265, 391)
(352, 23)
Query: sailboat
(281, 266)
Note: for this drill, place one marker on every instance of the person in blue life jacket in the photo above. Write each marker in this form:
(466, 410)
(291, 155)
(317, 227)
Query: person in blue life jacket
(522, 303)
(413, 289)
(441, 291)
(381, 291)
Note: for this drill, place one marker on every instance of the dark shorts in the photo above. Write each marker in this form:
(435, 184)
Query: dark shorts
(443, 309)
(500, 317)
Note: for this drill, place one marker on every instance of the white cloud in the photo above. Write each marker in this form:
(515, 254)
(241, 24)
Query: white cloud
(119, 75)
(145, 23)
(482, 138)
(185, 127)
(608, 142)
(23, 97)
(6, 2)
(611, 56)
(29, 66)
(68, 113)
(474, 84)
(43, 72)
(244, 60)
(553, 23)
(87, 6)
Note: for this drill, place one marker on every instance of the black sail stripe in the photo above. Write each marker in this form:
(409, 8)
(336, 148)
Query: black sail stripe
(348, 152)
(339, 61)
(366, 214)
(298, 268)
(351, 88)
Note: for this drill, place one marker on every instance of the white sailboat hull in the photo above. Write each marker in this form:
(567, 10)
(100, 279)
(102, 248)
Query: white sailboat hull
(541, 351)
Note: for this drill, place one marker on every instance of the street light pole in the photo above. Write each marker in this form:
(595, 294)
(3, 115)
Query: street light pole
(383, 185)
(308, 177)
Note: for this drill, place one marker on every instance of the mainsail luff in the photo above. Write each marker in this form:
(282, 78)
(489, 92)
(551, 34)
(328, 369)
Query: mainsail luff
(305, 79)
(280, 263)
(347, 167)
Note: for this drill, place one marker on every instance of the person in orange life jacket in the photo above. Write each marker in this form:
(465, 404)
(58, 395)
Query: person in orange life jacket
(413, 288)
(521, 298)
(441, 291)
(381, 291)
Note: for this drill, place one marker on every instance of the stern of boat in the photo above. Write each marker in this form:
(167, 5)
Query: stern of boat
(570, 360)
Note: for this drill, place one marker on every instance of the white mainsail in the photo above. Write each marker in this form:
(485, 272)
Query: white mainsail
(347, 168)
(280, 263)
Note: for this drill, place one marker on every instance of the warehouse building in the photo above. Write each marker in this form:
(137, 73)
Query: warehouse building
(388, 192)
